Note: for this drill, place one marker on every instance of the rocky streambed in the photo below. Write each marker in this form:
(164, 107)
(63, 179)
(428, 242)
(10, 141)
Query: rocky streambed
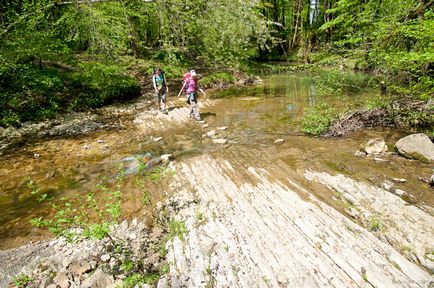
(248, 204)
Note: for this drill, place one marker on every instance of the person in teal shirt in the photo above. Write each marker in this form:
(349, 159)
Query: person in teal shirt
(161, 89)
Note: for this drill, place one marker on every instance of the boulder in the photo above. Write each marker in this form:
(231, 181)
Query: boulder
(416, 146)
(374, 146)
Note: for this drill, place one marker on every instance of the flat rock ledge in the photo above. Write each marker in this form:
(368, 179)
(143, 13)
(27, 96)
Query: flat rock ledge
(262, 233)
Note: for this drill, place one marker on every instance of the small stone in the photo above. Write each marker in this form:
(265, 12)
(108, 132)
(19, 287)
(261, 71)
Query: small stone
(201, 122)
(80, 268)
(86, 147)
(352, 212)
(166, 158)
(399, 192)
(62, 280)
(211, 133)
(36, 155)
(105, 258)
(205, 125)
(100, 141)
(387, 185)
(374, 146)
(359, 153)
(219, 141)
(379, 159)
(279, 141)
(66, 262)
(223, 128)
(400, 180)
(157, 139)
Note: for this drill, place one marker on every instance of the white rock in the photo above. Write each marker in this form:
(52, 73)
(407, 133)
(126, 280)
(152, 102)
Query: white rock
(417, 146)
(166, 158)
(400, 180)
(223, 128)
(211, 133)
(105, 258)
(374, 146)
(205, 125)
(219, 141)
(157, 139)
(279, 141)
(359, 153)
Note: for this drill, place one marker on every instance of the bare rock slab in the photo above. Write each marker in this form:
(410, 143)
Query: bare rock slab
(416, 146)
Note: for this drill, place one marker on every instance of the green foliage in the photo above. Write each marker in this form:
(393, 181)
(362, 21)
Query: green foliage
(136, 279)
(99, 84)
(374, 223)
(177, 229)
(317, 119)
(217, 78)
(77, 212)
(22, 280)
(377, 102)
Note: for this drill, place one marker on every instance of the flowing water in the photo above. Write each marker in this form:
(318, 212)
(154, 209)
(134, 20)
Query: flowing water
(255, 117)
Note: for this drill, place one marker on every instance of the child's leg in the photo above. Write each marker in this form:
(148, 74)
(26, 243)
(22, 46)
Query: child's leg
(195, 110)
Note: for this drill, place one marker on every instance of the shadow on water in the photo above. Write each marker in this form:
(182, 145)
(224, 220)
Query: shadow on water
(255, 116)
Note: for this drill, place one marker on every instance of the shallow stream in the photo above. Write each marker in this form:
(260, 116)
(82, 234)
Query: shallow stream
(255, 117)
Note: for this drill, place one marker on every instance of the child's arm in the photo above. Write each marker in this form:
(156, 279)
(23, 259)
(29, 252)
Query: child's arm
(153, 83)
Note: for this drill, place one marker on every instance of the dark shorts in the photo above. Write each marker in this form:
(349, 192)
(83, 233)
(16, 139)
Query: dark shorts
(192, 97)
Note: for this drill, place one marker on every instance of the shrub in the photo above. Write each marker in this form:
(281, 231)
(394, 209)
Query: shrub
(317, 119)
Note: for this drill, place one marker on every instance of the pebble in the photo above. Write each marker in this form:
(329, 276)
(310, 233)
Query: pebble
(211, 133)
(400, 180)
(279, 141)
(86, 147)
(105, 258)
(157, 139)
(205, 125)
(223, 128)
(220, 141)
(166, 158)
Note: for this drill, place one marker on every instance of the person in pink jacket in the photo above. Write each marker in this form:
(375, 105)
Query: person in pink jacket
(191, 87)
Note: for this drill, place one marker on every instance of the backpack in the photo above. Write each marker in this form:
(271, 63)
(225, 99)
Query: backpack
(185, 80)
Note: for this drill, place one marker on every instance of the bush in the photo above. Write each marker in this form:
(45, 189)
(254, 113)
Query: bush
(217, 78)
(33, 93)
(100, 84)
(316, 120)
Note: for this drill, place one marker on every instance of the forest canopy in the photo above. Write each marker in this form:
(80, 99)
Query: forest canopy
(69, 55)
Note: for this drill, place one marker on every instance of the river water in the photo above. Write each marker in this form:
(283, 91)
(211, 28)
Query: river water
(255, 116)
